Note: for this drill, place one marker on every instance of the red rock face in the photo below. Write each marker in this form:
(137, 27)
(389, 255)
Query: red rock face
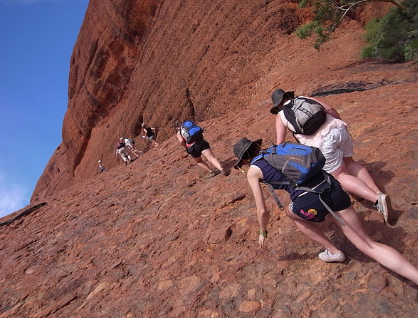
(157, 239)
(158, 62)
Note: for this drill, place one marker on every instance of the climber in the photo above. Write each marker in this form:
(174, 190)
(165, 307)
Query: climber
(101, 167)
(122, 152)
(150, 134)
(197, 148)
(306, 210)
(325, 130)
(130, 145)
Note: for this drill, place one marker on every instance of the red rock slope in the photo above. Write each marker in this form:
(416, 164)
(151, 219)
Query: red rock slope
(159, 61)
(156, 239)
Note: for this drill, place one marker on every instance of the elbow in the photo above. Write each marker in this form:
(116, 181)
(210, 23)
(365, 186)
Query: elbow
(263, 212)
(280, 139)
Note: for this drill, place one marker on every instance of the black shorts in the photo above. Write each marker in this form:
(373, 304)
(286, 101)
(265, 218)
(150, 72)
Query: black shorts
(310, 208)
(196, 149)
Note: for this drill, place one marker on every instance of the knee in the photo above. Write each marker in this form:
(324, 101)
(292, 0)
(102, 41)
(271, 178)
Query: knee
(208, 153)
(289, 212)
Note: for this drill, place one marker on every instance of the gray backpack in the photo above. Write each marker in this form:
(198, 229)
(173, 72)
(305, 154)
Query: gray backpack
(304, 115)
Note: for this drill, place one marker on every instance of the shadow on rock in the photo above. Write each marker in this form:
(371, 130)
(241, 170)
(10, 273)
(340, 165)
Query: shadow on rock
(380, 177)
(229, 163)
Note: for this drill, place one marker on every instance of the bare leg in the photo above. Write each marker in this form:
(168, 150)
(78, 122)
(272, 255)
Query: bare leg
(211, 158)
(313, 231)
(359, 171)
(354, 185)
(385, 255)
(202, 164)
(134, 151)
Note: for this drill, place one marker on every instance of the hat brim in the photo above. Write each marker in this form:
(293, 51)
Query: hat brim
(275, 109)
(238, 164)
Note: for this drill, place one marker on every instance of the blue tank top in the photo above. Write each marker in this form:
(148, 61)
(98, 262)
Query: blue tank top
(270, 174)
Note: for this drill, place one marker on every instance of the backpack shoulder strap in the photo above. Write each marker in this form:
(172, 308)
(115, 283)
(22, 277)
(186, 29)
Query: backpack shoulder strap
(270, 185)
(256, 158)
(275, 197)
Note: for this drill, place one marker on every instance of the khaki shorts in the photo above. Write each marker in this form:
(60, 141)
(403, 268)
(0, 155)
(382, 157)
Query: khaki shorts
(124, 154)
(337, 145)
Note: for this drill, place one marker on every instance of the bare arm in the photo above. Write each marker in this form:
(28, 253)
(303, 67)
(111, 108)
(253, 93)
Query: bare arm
(254, 176)
(328, 109)
(280, 130)
(181, 139)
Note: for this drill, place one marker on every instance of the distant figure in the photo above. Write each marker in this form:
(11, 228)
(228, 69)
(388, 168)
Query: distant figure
(150, 134)
(196, 148)
(315, 123)
(122, 152)
(101, 167)
(130, 145)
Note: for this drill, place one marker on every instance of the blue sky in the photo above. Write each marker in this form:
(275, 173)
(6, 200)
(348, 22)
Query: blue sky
(37, 38)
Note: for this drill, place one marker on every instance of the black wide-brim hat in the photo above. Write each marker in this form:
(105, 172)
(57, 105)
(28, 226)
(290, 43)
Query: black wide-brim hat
(277, 98)
(241, 147)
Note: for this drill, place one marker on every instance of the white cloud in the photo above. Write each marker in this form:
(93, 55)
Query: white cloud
(12, 197)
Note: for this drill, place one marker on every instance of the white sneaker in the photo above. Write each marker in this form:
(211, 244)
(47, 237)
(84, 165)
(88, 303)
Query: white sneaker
(327, 257)
(384, 205)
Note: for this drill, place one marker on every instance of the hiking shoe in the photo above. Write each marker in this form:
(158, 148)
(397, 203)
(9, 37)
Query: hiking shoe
(225, 173)
(383, 205)
(327, 257)
(212, 174)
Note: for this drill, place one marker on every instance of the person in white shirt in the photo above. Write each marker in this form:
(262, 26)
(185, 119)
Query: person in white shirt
(335, 142)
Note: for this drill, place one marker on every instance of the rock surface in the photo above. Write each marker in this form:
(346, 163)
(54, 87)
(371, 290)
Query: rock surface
(161, 61)
(157, 239)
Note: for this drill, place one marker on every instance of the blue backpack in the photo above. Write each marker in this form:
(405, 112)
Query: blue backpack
(191, 132)
(299, 163)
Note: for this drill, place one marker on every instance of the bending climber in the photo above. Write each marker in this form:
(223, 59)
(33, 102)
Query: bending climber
(334, 140)
(306, 211)
(122, 152)
(130, 145)
(198, 148)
